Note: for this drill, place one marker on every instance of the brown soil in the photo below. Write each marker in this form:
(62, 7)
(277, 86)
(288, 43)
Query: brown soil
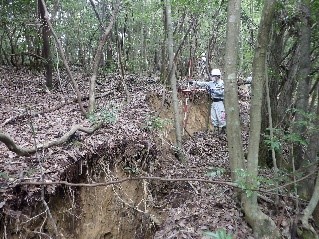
(116, 211)
(107, 212)
(194, 113)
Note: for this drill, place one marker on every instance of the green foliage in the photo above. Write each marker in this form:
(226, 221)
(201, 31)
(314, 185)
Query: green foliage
(265, 181)
(109, 68)
(17, 19)
(219, 234)
(215, 172)
(247, 58)
(107, 115)
(295, 138)
(134, 65)
(195, 6)
(242, 181)
(285, 176)
(242, 176)
(76, 143)
(281, 136)
(157, 123)
(92, 118)
(140, 22)
(273, 143)
(131, 170)
(308, 119)
(4, 175)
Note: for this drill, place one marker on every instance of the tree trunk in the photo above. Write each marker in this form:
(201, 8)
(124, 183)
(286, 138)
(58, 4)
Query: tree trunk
(46, 50)
(304, 81)
(163, 74)
(170, 46)
(75, 85)
(109, 56)
(121, 68)
(312, 152)
(307, 230)
(236, 154)
(275, 63)
(145, 65)
(305, 188)
(263, 226)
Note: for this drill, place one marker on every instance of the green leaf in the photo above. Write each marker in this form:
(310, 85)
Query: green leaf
(215, 172)
(219, 234)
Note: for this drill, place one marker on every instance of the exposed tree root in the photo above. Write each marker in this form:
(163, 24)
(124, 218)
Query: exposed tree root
(263, 226)
(307, 231)
(12, 146)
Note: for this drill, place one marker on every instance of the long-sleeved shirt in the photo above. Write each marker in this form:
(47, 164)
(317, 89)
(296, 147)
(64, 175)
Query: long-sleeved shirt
(215, 88)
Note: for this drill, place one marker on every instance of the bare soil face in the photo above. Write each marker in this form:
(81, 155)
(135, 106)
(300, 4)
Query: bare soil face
(117, 211)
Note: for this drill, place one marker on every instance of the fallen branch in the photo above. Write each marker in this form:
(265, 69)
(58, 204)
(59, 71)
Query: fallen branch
(12, 146)
(227, 183)
(130, 179)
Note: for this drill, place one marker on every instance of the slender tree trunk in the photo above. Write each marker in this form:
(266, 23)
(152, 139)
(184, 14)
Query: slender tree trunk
(97, 60)
(121, 68)
(263, 226)
(312, 152)
(109, 56)
(75, 85)
(163, 47)
(46, 49)
(275, 58)
(304, 80)
(305, 188)
(236, 153)
(172, 77)
(163, 62)
(145, 63)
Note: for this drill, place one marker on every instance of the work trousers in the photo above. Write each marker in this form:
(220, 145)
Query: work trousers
(217, 114)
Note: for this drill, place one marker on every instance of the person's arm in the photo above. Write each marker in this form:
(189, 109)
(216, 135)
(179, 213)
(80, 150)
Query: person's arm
(200, 83)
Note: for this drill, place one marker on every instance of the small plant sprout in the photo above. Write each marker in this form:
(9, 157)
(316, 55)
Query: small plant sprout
(157, 123)
(215, 172)
(106, 115)
(219, 234)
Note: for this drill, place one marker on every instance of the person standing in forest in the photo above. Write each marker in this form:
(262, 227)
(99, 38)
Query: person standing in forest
(215, 87)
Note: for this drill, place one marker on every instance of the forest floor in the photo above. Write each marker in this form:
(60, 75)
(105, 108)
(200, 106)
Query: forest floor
(31, 115)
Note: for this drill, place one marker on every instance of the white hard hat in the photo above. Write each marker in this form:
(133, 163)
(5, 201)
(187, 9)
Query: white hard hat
(215, 72)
